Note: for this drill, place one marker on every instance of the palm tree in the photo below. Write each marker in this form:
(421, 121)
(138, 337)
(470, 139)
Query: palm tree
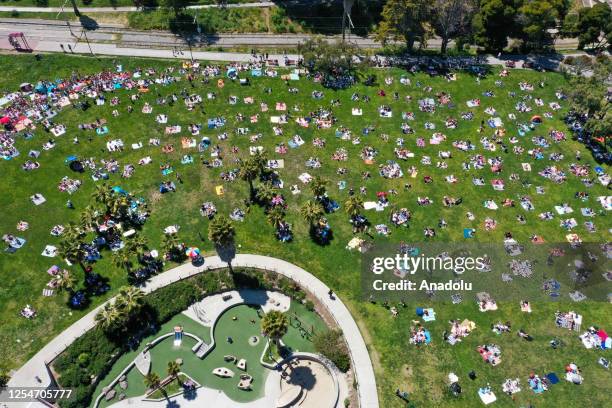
(274, 325)
(261, 160)
(221, 232)
(119, 205)
(89, 218)
(123, 259)
(170, 244)
(152, 381)
(265, 193)
(102, 194)
(65, 281)
(276, 217)
(71, 246)
(353, 206)
(312, 211)
(137, 245)
(249, 171)
(130, 299)
(108, 317)
(318, 187)
(173, 370)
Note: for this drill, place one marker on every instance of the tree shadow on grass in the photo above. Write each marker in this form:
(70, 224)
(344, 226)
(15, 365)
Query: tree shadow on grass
(88, 23)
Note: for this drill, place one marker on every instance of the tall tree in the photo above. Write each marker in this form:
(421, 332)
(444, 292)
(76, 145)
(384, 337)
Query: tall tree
(451, 19)
(108, 317)
(131, 300)
(152, 381)
(318, 186)
(404, 20)
(494, 23)
(123, 259)
(265, 193)
(353, 206)
(588, 94)
(102, 195)
(221, 232)
(65, 281)
(535, 19)
(312, 211)
(249, 171)
(274, 325)
(71, 247)
(276, 217)
(594, 27)
(173, 370)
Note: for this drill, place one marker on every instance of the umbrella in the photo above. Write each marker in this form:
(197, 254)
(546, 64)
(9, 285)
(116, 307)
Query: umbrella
(26, 87)
(5, 120)
(536, 119)
(192, 252)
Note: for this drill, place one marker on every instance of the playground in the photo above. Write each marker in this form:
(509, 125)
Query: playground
(237, 338)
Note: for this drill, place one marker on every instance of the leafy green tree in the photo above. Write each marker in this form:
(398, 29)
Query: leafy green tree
(330, 58)
(594, 26)
(588, 94)
(176, 5)
(535, 19)
(451, 19)
(312, 212)
(274, 325)
(494, 23)
(404, 20)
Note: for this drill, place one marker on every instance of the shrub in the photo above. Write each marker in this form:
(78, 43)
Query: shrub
(330, 344)
(309, 305)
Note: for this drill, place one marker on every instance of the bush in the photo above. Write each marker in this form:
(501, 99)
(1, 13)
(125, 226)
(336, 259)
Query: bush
(331, 345)
(309, 305)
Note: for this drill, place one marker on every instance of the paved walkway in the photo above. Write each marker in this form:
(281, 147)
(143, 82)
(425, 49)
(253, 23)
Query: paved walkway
(86, 10)
(362, 366)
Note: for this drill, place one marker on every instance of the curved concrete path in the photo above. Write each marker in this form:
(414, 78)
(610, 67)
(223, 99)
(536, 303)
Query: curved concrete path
(36, 367)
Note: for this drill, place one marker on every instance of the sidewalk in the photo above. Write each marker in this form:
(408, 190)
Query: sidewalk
(361, 363)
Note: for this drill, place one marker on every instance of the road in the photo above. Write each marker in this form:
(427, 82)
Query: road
(60, 32)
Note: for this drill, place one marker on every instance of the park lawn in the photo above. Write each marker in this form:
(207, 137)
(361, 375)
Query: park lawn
(397, 364)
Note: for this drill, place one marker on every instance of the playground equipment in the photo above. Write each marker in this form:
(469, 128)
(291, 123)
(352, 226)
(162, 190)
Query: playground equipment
(178, 335)
(19, 42)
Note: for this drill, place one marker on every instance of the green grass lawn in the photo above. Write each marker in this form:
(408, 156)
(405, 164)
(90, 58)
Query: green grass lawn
(397, 364)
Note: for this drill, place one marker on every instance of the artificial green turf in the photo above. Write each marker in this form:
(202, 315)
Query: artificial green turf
(24, 276)
(240, 330)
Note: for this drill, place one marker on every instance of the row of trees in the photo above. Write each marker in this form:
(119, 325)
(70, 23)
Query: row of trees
(490, 23)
